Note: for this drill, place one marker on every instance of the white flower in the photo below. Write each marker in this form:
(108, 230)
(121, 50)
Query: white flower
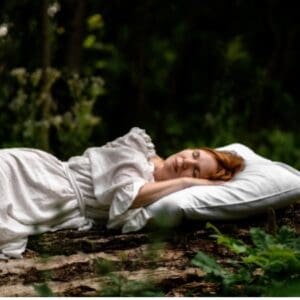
(3, 30)
(53, 9)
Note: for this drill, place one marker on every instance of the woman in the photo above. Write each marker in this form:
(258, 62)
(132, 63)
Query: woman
(40, 193)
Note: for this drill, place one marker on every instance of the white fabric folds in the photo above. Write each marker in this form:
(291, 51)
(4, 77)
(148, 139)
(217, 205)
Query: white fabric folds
(35, 196)
(119, 169)
(40, 193)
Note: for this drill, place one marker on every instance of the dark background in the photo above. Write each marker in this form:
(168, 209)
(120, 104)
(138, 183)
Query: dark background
(191, 73)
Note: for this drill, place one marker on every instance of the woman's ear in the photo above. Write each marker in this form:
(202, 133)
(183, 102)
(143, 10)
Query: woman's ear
(223, 174)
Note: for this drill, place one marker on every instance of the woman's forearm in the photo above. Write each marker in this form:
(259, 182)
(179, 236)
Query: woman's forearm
(152, 191)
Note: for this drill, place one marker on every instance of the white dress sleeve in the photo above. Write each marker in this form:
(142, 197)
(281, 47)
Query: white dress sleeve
(124, 196)
(119, 169)
(136, 138)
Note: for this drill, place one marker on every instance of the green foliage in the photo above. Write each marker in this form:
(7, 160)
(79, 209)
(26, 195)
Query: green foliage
(187, 86)
(95, 22)
(38, 117)
(118, 285)
(43, 290)
(284, 289)
(74, 127)
(276, 255)
(94, 46)
(280, 145)
(271, 261)
(208, 265)
(236, 50)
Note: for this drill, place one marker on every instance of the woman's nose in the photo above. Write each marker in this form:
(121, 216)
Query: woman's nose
(188, 163)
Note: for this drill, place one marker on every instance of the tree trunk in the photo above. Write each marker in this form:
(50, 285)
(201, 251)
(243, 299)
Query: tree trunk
(44, 100)
(76, 36)
(46, 50)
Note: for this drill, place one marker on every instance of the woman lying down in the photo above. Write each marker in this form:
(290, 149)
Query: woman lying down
(40, 193)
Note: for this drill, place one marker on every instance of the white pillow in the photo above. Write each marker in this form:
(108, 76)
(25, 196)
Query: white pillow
(262, 184)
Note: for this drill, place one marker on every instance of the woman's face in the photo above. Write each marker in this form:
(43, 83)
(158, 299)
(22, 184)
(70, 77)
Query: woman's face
(195, 163)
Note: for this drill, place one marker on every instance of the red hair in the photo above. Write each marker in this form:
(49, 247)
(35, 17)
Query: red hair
(229, 163)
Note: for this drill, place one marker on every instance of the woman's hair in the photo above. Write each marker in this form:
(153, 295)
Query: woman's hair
(229, 163)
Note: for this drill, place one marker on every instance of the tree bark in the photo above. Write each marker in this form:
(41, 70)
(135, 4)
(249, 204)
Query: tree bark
(44, 98)
(46, 47)
(76, 36)
(69, 261)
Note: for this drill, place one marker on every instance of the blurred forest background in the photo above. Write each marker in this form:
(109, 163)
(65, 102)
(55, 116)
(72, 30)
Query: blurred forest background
(78, 73)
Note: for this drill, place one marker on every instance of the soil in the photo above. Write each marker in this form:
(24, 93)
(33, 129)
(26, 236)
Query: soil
(97, 262)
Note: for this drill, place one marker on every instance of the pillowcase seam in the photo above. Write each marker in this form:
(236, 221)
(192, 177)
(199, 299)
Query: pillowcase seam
(251, 201)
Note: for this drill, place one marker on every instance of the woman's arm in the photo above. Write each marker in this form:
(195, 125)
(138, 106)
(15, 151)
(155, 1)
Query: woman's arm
(152, 191)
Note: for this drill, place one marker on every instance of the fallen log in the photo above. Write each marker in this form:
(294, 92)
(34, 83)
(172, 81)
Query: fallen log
(76, 263)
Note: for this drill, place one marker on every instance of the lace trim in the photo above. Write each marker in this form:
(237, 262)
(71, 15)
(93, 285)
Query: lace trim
(147, 139)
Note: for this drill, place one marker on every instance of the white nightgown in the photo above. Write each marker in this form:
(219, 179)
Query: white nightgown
(40, 193)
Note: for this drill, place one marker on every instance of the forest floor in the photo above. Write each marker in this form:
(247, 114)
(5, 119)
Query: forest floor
(101, 262)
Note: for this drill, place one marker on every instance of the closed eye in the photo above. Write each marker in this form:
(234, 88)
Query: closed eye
(196, 154)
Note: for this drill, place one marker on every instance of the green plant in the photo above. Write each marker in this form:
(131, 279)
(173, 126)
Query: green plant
(272, 261)
(43, 290)
(53, 111)
(280, 145)
(117, 285)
